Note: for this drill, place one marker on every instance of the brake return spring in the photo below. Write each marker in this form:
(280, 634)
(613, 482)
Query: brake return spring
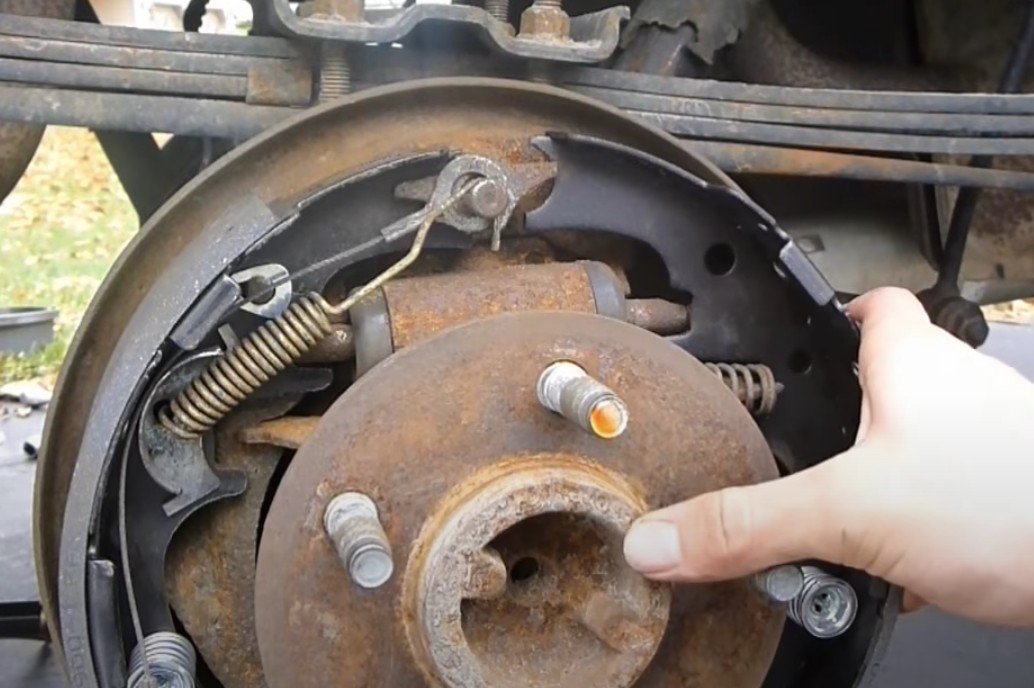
(754, 384)
(275, 345)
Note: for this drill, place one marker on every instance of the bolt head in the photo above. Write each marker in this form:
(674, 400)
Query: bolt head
(545, 22)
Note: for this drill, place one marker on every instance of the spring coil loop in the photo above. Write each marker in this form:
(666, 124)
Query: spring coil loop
(170, 662)
(753, 384)
(261, 355)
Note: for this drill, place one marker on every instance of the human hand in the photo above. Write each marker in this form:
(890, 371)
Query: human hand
(936, 496)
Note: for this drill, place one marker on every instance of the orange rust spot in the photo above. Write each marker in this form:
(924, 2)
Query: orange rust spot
(608, 419)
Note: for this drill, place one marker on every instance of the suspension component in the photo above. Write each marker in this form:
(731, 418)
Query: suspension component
(754, 384)
(164, 659)
(826, 605)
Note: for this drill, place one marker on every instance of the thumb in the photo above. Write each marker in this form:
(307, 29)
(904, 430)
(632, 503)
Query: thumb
(740, 530)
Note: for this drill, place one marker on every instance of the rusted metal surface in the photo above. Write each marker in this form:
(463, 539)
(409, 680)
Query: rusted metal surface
(556, 522)
(743, 158)
(593, 37)
(211, 562)
(768, 53)
(288, 83)
(712, 25)
(134, 112)
(336, 347)
(414, 430)
(18, 142)
(277, 170)
(421, 307)
(545, 20)
(289, 432)
(658, 315)
(83, 55)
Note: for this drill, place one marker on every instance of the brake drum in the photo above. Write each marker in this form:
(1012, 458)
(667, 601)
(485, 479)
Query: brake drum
(506, 522)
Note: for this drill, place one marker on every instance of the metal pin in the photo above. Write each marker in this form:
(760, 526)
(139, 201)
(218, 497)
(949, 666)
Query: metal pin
(780, 584)
(565, 388)
(826, 605)
(352, 522)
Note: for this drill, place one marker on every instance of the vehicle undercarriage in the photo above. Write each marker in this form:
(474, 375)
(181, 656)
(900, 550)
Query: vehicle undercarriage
(431, 301)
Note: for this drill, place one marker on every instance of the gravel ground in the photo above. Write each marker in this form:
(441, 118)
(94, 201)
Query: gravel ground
(67, 221)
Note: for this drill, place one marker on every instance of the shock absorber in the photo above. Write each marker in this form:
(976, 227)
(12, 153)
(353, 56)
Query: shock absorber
(754, 384)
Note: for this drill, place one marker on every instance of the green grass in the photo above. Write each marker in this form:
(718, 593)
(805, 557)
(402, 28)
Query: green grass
(60, 231)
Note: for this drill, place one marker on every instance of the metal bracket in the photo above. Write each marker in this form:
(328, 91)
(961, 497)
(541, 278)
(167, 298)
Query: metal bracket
(594, 36)
(516, 182)
(273, 274)
(179, 465)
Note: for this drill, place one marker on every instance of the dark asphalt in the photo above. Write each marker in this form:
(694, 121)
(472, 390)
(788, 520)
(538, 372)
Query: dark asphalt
(929, 649)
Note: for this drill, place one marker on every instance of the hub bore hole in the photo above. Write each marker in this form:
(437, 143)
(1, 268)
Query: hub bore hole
(524, 569)
(720, 259)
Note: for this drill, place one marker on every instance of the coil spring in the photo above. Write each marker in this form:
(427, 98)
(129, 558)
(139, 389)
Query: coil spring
(826, 606)
(753, 384)
(246, 367)
(170, 658)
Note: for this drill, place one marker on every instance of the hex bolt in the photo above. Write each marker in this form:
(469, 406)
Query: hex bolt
(780, 584)
(352, 522)
(826, 605)
(545, 20)
(565, 388)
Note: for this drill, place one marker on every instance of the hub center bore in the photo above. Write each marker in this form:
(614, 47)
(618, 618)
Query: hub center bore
(522, 567)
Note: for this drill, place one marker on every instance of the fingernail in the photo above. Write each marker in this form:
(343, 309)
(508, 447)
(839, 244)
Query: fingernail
(653, 546)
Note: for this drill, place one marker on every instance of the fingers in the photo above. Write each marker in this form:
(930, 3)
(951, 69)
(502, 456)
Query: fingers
(910, 602)
(888, 304)
(740, 530)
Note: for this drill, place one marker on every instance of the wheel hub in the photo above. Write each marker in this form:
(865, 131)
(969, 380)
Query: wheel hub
(508, 519)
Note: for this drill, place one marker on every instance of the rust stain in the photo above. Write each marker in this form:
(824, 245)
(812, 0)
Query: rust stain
(468, 402)
(289, 432)
(421, 307)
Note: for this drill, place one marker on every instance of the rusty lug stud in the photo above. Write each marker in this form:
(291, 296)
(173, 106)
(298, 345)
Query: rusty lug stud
(352, 522)
(565, 388)
(826, 605)
(780, 584)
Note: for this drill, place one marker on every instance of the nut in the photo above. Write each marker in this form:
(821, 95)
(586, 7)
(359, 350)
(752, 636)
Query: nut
(340, 10)
(545, 22)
